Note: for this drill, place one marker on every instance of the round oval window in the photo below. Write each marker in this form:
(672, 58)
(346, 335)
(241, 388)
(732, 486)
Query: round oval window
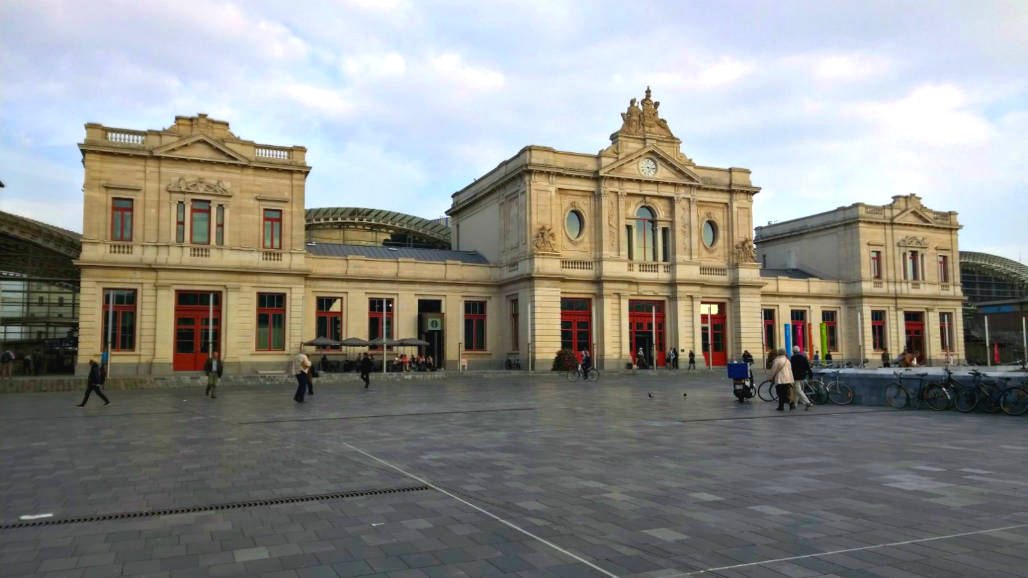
(574, 224)
(709, 234)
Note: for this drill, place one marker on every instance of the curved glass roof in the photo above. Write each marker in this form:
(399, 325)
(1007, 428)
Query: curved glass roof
(385, 219)
(995, 265)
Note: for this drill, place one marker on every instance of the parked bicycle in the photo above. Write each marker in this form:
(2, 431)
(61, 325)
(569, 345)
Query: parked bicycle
(834, 390)
(1015, 400)
(982, 393)
(576, 373)
(898, 396)
(947, 397)
(766, 391)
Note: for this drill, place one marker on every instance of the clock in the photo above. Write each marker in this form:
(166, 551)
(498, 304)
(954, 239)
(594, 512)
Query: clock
(648, 167)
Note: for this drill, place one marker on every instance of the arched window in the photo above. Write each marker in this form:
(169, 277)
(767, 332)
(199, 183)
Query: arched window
(645, 234)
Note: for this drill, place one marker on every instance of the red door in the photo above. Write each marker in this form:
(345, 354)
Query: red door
(712, 322)
(914, 328)
(194, 324)
(576, 325)
(646, 323)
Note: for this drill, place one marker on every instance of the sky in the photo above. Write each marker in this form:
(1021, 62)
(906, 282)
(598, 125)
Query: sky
(401, 103)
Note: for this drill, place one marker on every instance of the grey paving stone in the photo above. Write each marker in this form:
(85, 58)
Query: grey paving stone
(642, 485)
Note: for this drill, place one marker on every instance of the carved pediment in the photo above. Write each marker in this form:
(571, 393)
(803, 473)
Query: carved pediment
(200, 147)
(651, 162)
(200, 185)
(913, 216)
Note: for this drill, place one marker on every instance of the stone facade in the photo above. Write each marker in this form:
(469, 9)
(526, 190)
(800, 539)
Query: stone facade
(611, 252)
(894, 266)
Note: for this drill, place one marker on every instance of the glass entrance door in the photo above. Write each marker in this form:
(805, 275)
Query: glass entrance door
(196, 330)
(712, 326)
(646, 323)
(914, 328)
(576, 326)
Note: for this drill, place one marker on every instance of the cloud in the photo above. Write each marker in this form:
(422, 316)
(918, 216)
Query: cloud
(464, 79)
(726, 70)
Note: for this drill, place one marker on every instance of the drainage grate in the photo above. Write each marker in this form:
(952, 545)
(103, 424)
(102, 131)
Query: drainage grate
(212, 507)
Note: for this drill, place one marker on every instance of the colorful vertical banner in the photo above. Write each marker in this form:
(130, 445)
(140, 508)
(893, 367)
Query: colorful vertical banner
(788, 339)
(824, 340)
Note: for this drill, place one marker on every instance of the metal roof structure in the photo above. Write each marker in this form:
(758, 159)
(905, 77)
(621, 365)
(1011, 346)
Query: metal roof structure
(1000, 266)
(37, 250)
(381, 252)
(377, 218)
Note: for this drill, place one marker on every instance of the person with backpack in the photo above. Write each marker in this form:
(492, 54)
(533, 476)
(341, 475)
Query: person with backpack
(800, 366)
(97, 376)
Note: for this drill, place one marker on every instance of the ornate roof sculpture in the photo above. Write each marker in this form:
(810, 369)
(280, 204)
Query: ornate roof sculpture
(356, 217)
(642, 120)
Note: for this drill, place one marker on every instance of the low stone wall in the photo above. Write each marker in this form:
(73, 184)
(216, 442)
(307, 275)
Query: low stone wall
(869, 384)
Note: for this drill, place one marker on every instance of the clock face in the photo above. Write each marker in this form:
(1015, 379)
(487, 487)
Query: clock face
(648, 167)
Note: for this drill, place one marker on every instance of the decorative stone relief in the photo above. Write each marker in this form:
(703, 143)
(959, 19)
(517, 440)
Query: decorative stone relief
(914, 241)
(745, 252)
(545, 239)
(200, 185)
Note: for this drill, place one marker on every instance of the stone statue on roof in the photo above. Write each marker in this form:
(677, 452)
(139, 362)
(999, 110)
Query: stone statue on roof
(644, 120)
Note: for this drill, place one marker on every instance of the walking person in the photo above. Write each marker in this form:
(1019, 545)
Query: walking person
(781, 376)
(800, 371)
(6, 363)
(366, 369)
(93, 382)
(676, 357)
(301, 365)
(213, 368)
(886, 360)
(692, 360)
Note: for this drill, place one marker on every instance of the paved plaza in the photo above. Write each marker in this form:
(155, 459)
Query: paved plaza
(526, 476)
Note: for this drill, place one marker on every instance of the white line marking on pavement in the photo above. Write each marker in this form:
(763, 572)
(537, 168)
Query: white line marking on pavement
(874, 547)
(486, 512)
(35, 516)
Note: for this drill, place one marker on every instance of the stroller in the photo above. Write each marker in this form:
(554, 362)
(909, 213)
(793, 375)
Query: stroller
(742, 381)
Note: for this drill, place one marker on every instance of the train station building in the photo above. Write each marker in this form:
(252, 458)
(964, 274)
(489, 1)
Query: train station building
(196, 239)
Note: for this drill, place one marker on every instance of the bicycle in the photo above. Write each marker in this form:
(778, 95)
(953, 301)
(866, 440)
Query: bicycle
(946, 396)
(897, 396)
(835, 390)
(1014, 400)
(981, 393)
(766, 391)
(574, 374)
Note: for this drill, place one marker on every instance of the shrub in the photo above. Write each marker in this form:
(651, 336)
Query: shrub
(565, 360)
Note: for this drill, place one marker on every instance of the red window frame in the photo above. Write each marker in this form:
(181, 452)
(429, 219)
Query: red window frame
(324, 326)
(830, 318)
(876, 264)
(799, 329)
(769, 328)
(219, 226)
(384, 319)
(945, 327)
(123, 338)
(515, 326)
(196, 208)
(272, 229)
(121, 220)
(474, 320)
(277, 307)
(943, 269)
(180, 222)
(878, 342)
